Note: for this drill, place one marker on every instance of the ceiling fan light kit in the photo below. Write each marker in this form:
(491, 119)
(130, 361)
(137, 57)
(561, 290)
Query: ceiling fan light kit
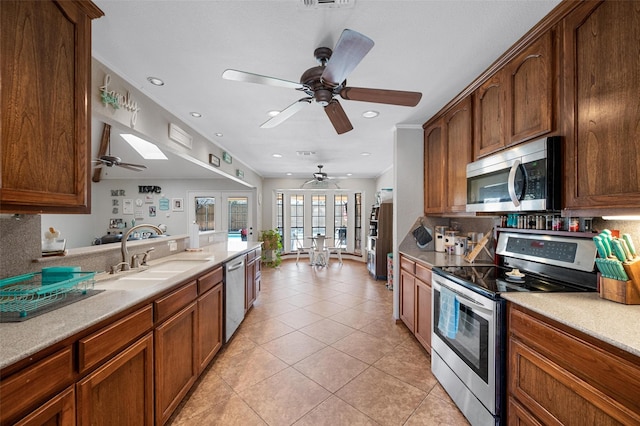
(324, 82)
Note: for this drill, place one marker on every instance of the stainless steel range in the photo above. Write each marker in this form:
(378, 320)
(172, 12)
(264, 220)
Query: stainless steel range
(468, 324)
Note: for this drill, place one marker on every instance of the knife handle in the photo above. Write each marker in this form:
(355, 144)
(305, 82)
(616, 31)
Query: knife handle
(625, 247)
(617, 249)
(620, 272)
(600, 247)
(629, 241)
(605, 243)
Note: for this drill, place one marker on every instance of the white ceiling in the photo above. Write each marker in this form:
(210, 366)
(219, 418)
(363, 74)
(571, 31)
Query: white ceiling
(434, 47)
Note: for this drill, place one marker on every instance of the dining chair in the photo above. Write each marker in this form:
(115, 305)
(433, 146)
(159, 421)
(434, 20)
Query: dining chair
(337, 251)
(301, 249)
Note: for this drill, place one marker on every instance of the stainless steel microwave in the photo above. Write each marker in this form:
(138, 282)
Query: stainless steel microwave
(526, 177)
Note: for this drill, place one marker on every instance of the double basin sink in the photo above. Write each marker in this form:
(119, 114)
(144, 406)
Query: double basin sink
(150, 276)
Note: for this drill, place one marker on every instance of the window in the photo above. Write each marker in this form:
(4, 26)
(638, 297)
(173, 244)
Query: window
(280, 214)
(205, 208)
(340, 220)
(297, 220)
(358, 223)
(318, 215)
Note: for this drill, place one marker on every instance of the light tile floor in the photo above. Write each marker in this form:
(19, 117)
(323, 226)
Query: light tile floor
(319, 347)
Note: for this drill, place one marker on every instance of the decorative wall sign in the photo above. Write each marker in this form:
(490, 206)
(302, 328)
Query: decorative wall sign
(213, 160)
(118, 100)
(163, 203)
(114, 210)
(152, 211)
(148, 199)
(115, 202)
(139, 214)
(127, 206)
(227, 157)
(149, 189)
(240, 173)
(117, 192)
(116, 223)
(178, 204)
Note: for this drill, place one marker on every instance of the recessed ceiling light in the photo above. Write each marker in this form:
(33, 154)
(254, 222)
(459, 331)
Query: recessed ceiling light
(349, 174)
(218, 135)
(273, 113)
(288, 173)
(370, 114)
(195, 114)
(276, 155)
(155, 81)
(146, 149)
(365, 154)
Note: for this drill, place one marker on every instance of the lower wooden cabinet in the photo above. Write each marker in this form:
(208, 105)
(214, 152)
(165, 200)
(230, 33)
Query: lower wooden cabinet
(415, 299)
(176, 366)
(209, 326)
(121, 391)
(59, 411)
(252, 278)
(560, 376)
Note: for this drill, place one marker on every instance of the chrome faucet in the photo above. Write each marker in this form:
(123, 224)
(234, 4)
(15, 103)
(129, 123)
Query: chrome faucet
(125, 237)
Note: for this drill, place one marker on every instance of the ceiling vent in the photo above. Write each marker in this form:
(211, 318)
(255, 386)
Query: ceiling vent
(305, 154)
(325, 4)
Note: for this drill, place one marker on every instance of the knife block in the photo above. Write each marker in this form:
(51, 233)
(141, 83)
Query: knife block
(627, 292)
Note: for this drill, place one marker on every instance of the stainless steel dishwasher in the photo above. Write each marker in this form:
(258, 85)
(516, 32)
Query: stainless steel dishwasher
(234, 295)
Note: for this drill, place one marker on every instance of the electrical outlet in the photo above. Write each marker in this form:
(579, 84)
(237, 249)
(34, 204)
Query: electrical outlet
(210, 238)
(173, 246)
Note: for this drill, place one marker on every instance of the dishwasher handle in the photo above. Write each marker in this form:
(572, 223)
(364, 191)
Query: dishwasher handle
(231, 268)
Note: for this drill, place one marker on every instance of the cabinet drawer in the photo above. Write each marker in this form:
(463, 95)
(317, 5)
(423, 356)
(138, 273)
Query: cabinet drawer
(173, 302)
(423, 273)
(251, 255)
(104, 343)
(407, 265)
(209, 280)
(35, 384)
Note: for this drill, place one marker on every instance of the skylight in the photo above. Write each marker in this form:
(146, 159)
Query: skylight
(147, 150)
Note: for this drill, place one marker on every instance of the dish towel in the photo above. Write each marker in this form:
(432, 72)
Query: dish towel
(449, 313)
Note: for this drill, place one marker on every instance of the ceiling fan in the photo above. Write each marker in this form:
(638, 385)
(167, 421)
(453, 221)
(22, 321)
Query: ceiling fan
(324, 82)
(319, 178)
(106, 159)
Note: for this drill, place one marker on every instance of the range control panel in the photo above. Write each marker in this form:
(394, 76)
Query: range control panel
(551, 250)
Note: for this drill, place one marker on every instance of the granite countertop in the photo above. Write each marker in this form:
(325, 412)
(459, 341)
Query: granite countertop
(611, 322)
(22, 339)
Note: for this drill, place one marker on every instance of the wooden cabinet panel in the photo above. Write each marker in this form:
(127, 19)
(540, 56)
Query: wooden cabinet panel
(250, 291)
(531, 91)
(490, 115)
(407, 264)
(176, 366)
(59, 411)
(601, 77)
(458, 136)
(209, 280)
(35, 384)
(45, 73)
(407, 299)
(121, 391)
(423, 314)
(435, 152)
(209, 326)
(423, 273)
(517, 415)
(104, 343)
(171, 303)
(565, 378)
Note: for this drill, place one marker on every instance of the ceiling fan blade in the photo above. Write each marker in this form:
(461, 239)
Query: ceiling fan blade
(349, 51)
(134, 167)
(381, 96)
(338, 117)
(286, 113)
(248, 77)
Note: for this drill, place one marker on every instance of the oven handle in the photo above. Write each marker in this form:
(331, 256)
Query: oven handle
(511, 183)
(464, 296)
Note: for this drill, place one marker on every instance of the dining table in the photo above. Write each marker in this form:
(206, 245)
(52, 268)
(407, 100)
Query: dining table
(320, 252)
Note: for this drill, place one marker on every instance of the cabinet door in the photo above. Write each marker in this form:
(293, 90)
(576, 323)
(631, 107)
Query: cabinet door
(423, 314)
(176, 360)
(407, 299)
(490, 118)
(458, 136)
(209, 325)
(59, 411)
(435, 152)
(601, 72)
(531, 91)
(121, 391)
(45, 148)
(250, 286)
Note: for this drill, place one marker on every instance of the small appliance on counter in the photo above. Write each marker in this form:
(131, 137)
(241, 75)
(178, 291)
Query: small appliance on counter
(52, 244)
(440, 231)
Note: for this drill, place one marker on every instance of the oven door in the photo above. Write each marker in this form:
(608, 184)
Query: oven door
(468, 349)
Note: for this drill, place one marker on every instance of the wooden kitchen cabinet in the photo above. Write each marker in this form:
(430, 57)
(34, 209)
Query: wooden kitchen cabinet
(210, 324)
(59, 411)
(458, 135)
(490, 105)
(252, 278)
(120, 392)
(415, 299)
(176, 350)
(435, 152)
(557, 375)
(601, 106)
(44, 98)
(531, 91)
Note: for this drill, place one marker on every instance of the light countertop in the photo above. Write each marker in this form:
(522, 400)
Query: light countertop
(22, 339)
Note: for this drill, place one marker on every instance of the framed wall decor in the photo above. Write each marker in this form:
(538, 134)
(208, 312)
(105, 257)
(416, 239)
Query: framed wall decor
(227, 157)
(177, 204)
(214, 161)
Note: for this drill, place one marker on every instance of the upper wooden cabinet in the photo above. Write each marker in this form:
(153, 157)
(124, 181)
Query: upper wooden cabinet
(601, 106)
(435, 152)
(46, 73)
(531, 91)
(490, 109)
(458, 137)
